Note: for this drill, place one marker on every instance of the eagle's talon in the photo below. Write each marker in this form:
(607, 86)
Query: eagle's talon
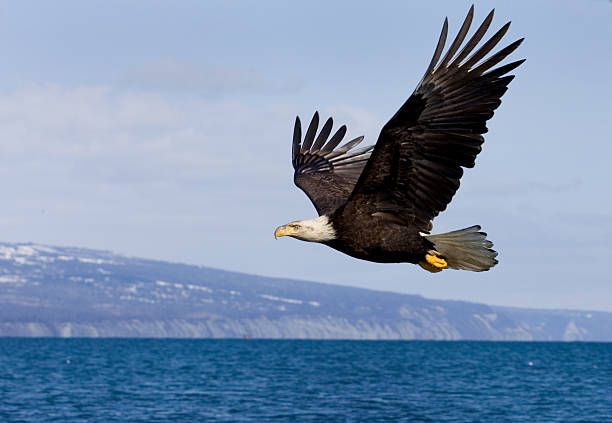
(436, 261)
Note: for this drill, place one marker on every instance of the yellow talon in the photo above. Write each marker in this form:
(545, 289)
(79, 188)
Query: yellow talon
(433, 264)
(435, 261)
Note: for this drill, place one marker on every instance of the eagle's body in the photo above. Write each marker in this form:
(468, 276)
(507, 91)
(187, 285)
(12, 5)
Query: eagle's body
(376, 203)
(380, 240)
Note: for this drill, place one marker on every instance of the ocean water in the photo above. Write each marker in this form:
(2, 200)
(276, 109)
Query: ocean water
(133, 380)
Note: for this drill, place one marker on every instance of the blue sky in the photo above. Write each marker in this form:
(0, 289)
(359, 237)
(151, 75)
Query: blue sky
(163, 130)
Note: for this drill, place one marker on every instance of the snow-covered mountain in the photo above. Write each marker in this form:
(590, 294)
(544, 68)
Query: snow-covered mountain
(75, 292)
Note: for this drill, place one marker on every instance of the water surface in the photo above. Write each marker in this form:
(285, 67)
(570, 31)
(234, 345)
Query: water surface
(135, 380)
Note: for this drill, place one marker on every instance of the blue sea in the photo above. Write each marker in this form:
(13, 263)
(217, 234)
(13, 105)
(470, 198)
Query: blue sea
(135, 380)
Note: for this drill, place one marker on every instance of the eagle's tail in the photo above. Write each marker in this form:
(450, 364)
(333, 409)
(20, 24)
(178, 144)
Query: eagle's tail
(466, 249)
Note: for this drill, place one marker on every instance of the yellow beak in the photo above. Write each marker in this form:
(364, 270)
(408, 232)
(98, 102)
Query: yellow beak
(284, 231)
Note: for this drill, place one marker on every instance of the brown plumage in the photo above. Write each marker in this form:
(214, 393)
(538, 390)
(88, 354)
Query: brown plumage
(377, 203)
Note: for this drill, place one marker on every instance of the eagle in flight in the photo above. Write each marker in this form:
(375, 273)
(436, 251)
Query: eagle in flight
(377, 203)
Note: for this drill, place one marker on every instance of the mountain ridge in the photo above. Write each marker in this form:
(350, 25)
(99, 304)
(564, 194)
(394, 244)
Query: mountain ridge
(70, 291)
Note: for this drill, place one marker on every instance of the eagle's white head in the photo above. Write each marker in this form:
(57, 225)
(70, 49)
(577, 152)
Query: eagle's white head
(313, 230)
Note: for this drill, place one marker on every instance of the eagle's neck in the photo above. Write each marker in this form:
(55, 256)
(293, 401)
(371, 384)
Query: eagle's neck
(319, 229)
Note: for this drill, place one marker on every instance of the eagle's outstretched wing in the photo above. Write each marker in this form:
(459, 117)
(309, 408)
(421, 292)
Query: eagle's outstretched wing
(325, 173)
(417, 162)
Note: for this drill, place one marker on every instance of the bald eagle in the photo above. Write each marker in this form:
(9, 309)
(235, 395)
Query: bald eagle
(377, 203)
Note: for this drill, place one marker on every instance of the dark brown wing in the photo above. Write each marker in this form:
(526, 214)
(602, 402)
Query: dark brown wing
(417, 162)
(325, 173)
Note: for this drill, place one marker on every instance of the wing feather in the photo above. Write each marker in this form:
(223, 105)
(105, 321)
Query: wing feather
(458, 40)
(325, 131)
(480, 32)
(335, 140)
(310, 133)
(343, 149)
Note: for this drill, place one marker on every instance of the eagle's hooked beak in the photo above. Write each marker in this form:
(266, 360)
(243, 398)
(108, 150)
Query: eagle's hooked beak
(285, 230)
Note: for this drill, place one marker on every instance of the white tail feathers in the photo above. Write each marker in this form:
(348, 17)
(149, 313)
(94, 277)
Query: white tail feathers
(466, 249)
